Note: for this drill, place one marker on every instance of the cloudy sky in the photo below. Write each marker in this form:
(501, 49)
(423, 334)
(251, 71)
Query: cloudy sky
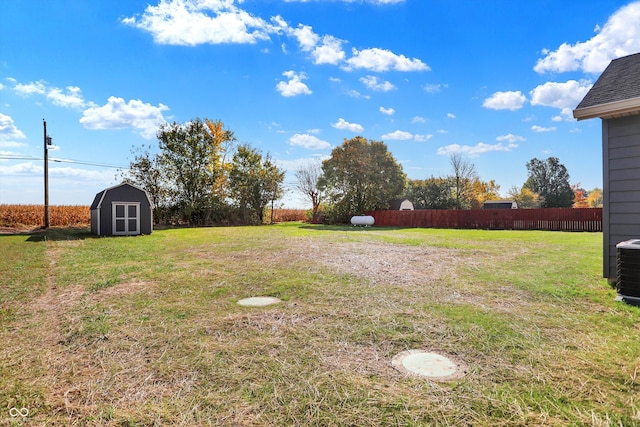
(493, 80)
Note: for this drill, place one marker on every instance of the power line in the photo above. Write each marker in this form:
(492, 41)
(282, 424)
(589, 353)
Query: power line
(78, 162)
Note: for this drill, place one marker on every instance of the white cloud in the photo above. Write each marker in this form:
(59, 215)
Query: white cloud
(307, 38)
(372, 83)
(387, 111)
(451, 116)
(418, 119)
(619, 36)
(434, 88)
(294, 86)
(509, 100)
(329, 52)
(21, 169)
(118, 114)
(342, 124)
(193, 22)
(71, 99)
(380, 60)
(511, 138)
(9, 132)
(398, 135)
(537, 128)
(474, 150)
(37, 88)
(308, 141)
(355, 94)
(564, 96)
(422, 138)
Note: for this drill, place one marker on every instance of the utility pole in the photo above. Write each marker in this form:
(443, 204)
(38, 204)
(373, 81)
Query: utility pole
(47, 142)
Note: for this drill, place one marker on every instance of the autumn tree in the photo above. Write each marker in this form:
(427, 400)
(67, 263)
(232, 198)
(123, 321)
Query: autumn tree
(482, 191)
(307, 178)
(360, 175)
(594, 198)
(224, 141)
(550, 180)
(579, 196)
(190, 156)
(524, 197)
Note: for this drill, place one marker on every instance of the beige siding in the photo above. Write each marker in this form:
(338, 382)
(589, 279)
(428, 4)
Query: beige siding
(621, 168)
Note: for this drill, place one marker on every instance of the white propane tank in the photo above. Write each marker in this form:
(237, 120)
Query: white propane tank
(365, 220)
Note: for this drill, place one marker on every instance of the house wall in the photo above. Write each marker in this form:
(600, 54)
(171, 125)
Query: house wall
(621, 186)
(125, 193)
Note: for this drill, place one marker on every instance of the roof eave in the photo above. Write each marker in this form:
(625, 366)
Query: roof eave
(609, 110)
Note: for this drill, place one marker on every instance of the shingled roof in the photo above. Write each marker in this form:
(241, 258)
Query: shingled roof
(616, 93)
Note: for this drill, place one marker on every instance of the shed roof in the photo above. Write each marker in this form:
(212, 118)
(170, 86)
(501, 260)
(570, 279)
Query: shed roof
(97, 200)
(616, 93)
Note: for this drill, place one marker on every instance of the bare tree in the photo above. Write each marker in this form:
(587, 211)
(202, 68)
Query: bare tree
(307, 184)
(464, 173)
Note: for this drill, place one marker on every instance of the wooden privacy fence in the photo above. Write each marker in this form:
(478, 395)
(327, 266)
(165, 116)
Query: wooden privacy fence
(556, 219)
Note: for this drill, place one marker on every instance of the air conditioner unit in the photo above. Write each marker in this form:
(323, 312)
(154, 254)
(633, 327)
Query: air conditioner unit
(628, 269)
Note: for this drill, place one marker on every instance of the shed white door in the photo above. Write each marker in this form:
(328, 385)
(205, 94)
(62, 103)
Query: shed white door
(126, 218)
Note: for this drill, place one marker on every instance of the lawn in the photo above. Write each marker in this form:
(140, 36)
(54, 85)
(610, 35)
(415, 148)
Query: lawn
(147, 330)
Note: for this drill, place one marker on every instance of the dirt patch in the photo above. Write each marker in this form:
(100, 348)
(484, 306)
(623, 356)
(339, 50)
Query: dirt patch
(384, 262)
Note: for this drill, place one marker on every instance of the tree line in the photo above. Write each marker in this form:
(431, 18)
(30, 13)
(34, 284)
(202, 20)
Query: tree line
(362, 175)
(198, 174)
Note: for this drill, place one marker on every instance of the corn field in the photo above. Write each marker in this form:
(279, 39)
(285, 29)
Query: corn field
(33, 215)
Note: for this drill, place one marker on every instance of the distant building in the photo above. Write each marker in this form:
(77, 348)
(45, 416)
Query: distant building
(123, 210)
(500, 204)
(615, 98)
(401, 205)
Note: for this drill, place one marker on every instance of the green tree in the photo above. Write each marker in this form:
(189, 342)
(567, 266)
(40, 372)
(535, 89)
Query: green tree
(361, 175)
(550, 180)
(190, 155)
(431, 193)
(254, 181)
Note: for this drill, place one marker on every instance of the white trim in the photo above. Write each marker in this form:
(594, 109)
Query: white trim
(610, 109)
(126, 218)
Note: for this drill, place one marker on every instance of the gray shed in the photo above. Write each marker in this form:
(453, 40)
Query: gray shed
(500, 204)
(123, 210)
(615, 98)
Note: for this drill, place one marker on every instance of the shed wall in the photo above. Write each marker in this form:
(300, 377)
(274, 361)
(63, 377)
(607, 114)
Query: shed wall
(124, 193)
(621, 186)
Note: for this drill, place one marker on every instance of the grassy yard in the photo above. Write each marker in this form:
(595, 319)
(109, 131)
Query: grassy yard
(147, 330)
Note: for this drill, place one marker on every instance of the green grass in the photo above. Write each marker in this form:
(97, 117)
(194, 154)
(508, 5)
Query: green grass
(146, 330)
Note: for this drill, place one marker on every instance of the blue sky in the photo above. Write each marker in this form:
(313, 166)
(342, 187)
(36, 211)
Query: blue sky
(493, 80)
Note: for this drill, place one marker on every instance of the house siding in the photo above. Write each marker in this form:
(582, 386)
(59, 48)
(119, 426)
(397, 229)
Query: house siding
(621, 186)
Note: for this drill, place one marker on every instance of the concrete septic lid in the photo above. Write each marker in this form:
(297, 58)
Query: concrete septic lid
(258, 301)
(428, 364)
